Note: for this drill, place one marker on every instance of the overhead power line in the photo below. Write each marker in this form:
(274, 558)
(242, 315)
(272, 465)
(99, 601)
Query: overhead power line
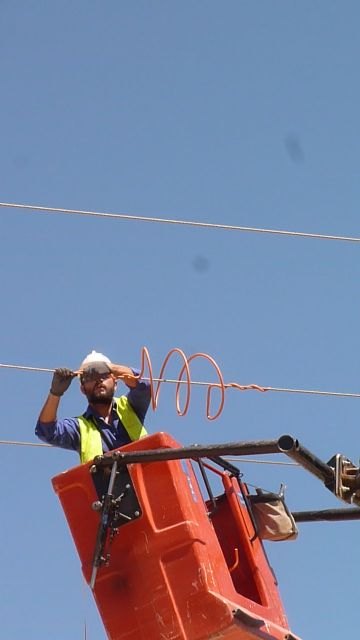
(250, 460)
(19, 443)
(338, 394)
(24, 368)
(188, 223)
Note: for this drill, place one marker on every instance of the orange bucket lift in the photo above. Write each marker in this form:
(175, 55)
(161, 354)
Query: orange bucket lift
(165, 563)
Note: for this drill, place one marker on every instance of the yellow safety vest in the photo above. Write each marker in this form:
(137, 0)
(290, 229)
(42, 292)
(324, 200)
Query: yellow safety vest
(90, 437)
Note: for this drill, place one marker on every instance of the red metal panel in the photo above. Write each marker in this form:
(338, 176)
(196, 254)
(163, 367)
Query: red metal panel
(169, 574)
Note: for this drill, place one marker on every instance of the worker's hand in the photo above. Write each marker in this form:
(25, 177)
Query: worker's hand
(120, 372)
(61, 381)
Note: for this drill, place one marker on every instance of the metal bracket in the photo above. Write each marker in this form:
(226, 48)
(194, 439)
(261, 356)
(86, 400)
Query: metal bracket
(125, 504)
(347, 479)
(117, 505)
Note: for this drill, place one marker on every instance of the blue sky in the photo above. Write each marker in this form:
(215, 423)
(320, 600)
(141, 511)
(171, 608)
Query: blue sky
(240, 113)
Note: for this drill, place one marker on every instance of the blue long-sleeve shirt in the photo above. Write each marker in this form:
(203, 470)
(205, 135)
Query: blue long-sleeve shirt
(65, 433)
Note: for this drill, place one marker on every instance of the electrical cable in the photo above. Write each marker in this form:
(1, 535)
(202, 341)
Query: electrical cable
(253, 461)
(250, 460)
(24, 444)
(20, 366)
(84, 601)
(185, 361)
(189, 223)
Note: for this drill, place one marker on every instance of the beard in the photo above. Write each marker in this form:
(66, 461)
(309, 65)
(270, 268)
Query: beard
(104, 398)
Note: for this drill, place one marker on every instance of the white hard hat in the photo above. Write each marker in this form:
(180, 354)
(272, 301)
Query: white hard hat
(92, 357)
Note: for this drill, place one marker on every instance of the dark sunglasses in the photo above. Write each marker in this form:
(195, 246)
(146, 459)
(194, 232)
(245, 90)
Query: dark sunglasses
(93, 376)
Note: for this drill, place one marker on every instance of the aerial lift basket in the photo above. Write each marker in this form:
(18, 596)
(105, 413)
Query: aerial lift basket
(163, 561)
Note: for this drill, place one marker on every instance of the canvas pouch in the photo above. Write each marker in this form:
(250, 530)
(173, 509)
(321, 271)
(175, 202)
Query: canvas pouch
(273, 519)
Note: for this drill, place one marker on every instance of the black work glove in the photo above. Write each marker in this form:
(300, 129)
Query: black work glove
(61, 381)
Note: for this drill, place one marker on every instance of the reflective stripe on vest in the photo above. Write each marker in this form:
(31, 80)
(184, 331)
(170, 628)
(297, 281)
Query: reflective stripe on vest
(90, 437)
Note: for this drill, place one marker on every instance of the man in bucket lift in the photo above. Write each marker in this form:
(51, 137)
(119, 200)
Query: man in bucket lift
(108, 422)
